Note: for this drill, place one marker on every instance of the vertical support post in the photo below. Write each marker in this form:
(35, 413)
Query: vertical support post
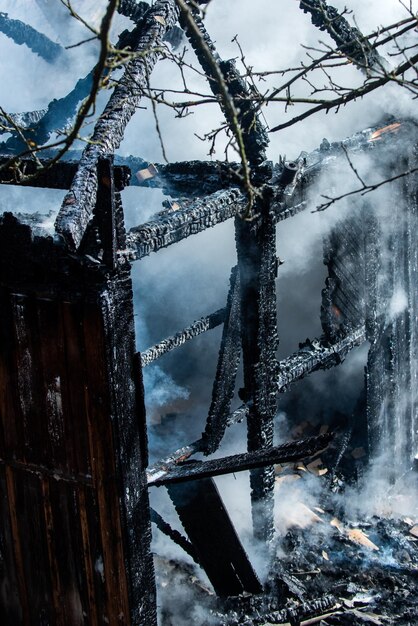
(256, 249)
(106, 209)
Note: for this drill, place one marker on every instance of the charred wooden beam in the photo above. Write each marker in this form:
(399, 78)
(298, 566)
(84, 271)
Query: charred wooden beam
(192, 177)
(268, 456)
(218, 548)
(174, 535)
(226, 370)
(185, 177)
(77, 208)
(184, 453)
(348, 39)
(133, 9)
(136, 10)
(175, 341)
(300, 614)
(58, 175)
(257, 263)
(173, 226)
(22, 33)
(310, 358)
(315, 355)
(254, 133)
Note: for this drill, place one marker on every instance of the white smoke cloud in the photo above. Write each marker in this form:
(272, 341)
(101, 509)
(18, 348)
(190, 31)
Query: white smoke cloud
(398, 302)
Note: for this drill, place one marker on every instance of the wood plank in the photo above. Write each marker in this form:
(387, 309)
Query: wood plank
(32, 407)
(93, 598)
(10, 597)
(52, 384)
(11, 428)
(67, 550)
(104, 471)
(30, 540)
(75, 376)
(213, 536)
(56, 590)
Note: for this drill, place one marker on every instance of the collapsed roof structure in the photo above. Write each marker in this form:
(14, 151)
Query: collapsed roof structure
(76, 521)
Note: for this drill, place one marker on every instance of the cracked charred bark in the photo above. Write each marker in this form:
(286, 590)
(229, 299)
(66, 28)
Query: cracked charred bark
(78, 204)
(173, 226)
(175, 341)
(254, 133)
(349, 40)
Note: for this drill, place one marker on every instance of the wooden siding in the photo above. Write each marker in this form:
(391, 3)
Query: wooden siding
(62, 557)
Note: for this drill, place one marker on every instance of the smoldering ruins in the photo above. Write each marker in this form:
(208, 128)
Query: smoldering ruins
(118, 510)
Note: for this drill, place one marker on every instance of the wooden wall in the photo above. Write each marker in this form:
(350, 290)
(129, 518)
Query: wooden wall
(71, 470)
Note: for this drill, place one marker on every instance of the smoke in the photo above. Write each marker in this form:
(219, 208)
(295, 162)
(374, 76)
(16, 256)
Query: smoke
(160, 389)
(398, 302)
(376, 496)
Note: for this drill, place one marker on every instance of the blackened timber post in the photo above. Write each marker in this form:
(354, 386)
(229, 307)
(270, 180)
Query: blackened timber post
(256, 249)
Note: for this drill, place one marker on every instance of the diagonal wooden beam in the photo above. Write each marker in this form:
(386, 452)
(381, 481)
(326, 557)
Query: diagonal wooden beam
(190, 332)
(350, 40)
(77, 208)
(255, 137)
(285, 453)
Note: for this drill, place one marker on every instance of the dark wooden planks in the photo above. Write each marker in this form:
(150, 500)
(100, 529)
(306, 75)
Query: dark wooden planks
(104, 474)
(214, 539)
(285, 453)
(13, 599)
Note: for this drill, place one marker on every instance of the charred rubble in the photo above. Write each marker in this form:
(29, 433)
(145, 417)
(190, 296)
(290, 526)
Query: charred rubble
(73, 438)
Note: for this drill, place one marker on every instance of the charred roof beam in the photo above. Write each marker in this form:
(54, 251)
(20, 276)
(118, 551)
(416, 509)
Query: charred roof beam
(23, 34)
(350, 41)
(192, 218)
(78, 205)
(255, 137)
(285, 453)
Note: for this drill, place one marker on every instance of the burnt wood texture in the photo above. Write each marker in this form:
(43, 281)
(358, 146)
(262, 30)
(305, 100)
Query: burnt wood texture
(74, 518)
